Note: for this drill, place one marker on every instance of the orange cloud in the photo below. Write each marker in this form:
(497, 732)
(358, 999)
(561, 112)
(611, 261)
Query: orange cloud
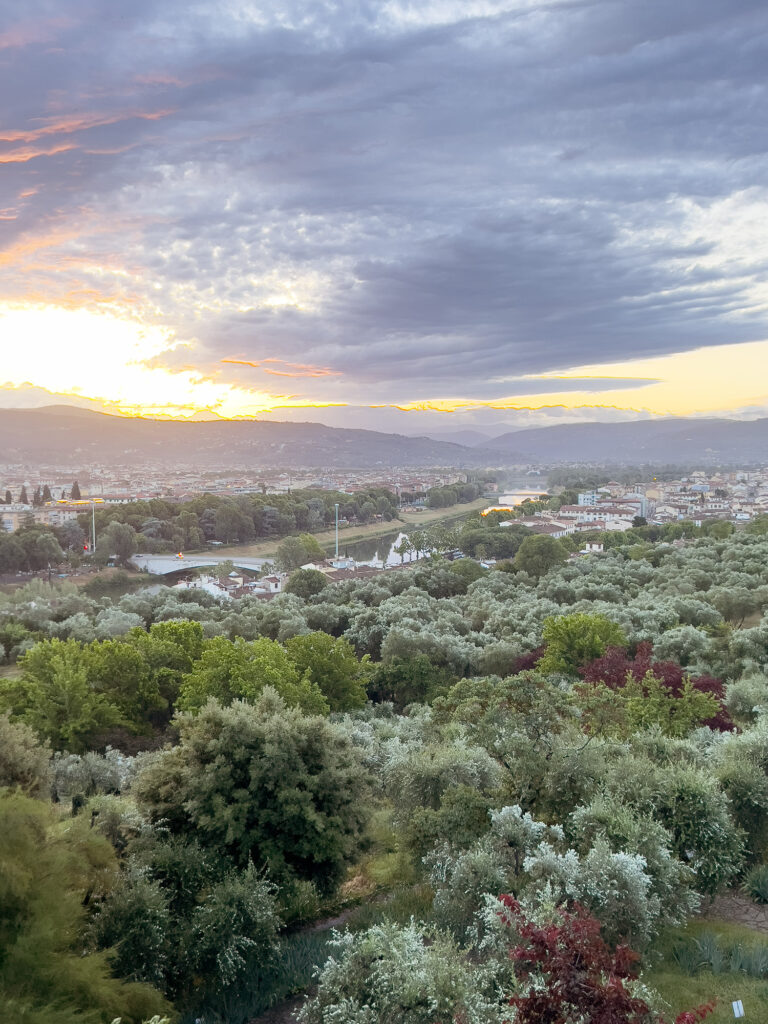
(18, 253)
(297, 369)
(77, 123)
(23, 156)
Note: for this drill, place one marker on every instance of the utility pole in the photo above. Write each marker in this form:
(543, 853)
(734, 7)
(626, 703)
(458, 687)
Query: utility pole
(336, 506)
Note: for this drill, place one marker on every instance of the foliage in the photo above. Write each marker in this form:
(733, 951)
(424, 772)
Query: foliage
(330, 664)
(239, 670)
(756, 883)
(47, 876)
(262, 783)
(306, 583)
(24, 759)
(399, 975)
(54, 697)
(538, 554)
(576, 639)
(565, 972)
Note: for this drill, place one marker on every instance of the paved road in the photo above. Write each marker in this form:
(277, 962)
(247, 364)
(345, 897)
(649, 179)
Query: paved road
(161, 565)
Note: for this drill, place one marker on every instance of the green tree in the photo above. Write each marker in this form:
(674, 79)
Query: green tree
(312, 549)
(291, 554)
(409, 681)
(330, 663)
(24, 759)
(47, 876)
(230, 670)
(118, 539)
(23, 499)
(55, 698)
(74, 494)
(305, 583)
(538, 554)
(575, 639)
(264, 784)
(13, 557)
(403, 548)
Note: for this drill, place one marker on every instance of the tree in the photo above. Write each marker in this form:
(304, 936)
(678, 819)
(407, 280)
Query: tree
(305, 583)
(13, 557)
(366, 512)
(294, 552)
(24, 759)
(538, 554)
(403, 548)
(118, 539)
(71, 535)
(576, 639)
(565, 972)
(47, 877)
(312, 549)
(23, 499)
(74, 494)
(47, 494)
(54, 697)
(331, 664)
(37, 497)
(230, 671)
(8, 498)
(399, 975)
(408, 681)
(264, 784)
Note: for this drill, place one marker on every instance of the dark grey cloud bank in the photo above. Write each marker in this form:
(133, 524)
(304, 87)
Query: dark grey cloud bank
(427, 197)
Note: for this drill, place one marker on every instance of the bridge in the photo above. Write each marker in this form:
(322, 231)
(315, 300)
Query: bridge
(163, 565)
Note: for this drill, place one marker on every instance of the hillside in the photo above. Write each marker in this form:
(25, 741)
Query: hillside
(673, 440)
(64, 433)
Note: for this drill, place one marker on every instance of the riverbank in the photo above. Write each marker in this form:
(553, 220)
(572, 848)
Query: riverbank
(327, 538)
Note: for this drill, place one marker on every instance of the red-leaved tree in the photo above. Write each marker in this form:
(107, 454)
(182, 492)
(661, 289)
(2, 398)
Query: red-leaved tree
(566, 972)
(615, 666)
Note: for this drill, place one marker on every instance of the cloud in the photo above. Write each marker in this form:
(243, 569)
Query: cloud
(394, 202)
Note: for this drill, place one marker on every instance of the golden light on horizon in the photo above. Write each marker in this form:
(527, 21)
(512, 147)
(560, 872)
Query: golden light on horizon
(720, 379)
(108, 360)
(116, 362)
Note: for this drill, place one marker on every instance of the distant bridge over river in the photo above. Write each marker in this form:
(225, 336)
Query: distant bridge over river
(163, 565)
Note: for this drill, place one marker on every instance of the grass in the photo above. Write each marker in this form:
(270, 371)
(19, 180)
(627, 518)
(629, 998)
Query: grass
(732, 950)
(10, 672)
(683, 992)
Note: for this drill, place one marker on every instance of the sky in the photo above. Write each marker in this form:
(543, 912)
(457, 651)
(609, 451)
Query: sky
(422, 216)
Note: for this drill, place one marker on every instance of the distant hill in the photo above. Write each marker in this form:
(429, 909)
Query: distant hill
(672, 440)
(65, 434)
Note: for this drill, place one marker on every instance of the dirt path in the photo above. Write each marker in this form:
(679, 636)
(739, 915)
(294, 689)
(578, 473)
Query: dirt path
(738, 909)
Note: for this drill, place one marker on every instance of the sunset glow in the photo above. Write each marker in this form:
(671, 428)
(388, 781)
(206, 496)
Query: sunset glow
(193, 227)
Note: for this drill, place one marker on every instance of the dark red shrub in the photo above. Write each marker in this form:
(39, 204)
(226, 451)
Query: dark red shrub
(615, 665)
(585, 979)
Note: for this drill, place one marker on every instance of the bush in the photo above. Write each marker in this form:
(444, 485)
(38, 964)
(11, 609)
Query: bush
(756, 884)
(264, 784)
(393, 975)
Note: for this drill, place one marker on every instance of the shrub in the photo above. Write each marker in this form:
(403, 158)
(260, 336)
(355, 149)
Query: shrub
(756, 884)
